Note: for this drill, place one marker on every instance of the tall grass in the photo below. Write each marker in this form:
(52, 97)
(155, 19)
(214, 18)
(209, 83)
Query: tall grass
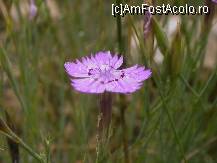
(171, 119)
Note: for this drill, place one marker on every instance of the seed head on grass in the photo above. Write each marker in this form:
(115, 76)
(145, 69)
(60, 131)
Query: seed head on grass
(100, 73)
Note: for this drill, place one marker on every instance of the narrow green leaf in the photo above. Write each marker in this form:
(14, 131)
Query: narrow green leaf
(161, 37)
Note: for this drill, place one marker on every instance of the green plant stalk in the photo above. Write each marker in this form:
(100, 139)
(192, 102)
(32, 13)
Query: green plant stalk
(119, 31)
(28, 149)
(171, 121)
(6, 66)
(122, 98)
(124, 129)
(149, 38)
(173, 128)
(98, 140)
(47, 151)
(141, 42)
(6, 131)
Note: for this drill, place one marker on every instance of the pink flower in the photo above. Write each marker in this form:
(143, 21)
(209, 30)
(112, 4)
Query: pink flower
(215, 1)
(99, 73)
(32, 10)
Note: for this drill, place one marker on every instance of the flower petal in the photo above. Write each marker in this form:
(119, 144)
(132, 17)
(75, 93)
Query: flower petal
(76, 69)
(118, 63)
(137, 73)
(81, 69)
(103, 57)
(88, 85)
(125, 85)
(128, 80)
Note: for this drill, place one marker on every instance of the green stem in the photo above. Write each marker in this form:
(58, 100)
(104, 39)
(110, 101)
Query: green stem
(124, 128)
(173, 128)
(5, 130)
(30, 151)
(105, 111)
(119, 31)
(123, 101)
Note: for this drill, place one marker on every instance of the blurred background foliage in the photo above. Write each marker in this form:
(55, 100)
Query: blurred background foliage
(173, 116)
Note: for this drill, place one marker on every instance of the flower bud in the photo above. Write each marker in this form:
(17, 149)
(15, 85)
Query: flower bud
(176, 54)
(32, 10)
(147, 24)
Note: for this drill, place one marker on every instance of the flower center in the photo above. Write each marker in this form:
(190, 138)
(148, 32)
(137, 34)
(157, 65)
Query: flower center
(105, 71)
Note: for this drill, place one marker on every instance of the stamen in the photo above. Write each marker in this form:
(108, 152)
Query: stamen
(89, 73)
(122, 75)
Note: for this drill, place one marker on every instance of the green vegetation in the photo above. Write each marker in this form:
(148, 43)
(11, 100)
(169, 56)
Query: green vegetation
(173, 118)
